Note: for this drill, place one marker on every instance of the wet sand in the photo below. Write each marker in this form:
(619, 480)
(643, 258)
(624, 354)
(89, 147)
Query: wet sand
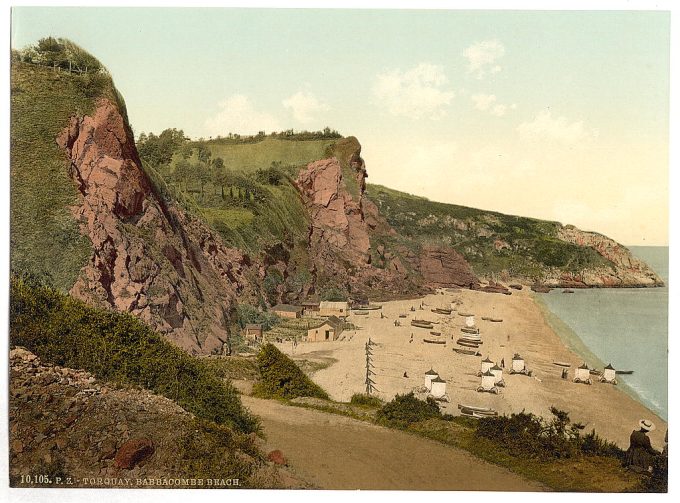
(524, 330)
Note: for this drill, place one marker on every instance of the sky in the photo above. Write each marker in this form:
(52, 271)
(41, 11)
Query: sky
(549, 114)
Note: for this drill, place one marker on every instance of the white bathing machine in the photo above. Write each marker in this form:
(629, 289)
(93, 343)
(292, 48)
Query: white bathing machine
(518, 363)
(609, 375)
(488, 383)
(582, 374)
(470, 321)
(438, 387)
(429, 376)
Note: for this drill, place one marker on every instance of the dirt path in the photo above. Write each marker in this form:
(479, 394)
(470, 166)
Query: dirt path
(337, 452)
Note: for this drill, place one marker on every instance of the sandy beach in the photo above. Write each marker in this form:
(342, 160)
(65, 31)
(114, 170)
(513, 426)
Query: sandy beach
(524, 330)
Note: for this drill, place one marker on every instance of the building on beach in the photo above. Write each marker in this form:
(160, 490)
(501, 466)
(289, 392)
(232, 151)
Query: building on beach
(253, 332)
(310, 308)
(329, 308)
(287, 310)
(329, 330)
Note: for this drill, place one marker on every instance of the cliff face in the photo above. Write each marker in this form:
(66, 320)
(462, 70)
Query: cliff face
(625, 269)
(148, 258)
(354, 246)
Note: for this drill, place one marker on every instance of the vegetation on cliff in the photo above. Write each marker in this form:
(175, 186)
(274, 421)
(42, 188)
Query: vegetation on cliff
(118, 347)
(491, 242)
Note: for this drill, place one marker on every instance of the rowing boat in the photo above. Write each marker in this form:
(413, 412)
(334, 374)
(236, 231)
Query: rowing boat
(468, 344)
(421, 324)
(467, 352)
(441, 311)
(468, 330)
(562, 364)
(436, 333)
(624, 372)
(430, 341)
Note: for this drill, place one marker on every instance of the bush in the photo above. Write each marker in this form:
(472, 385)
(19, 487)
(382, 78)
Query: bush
(280, 377)
(531, 436)
(406, 409)
(246, 314)
(119, 348)
(365, 400)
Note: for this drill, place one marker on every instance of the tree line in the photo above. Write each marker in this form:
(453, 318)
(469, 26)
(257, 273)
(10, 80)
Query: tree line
(59, 53)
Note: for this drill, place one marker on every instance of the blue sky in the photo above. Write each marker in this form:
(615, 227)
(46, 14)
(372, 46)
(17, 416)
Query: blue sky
(558, 115)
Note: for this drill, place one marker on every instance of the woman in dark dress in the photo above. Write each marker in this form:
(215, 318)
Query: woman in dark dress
(640, 454)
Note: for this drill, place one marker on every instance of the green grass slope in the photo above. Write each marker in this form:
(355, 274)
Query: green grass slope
(44, 235)
(490, 241)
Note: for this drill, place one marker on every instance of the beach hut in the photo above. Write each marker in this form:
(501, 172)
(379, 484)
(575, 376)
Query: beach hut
(438, 387)
(488, 383)
(519, 366)
(609, 375)
(498, 375)
(470, 321)
(582, 374)
(429, 376)
(486, 365)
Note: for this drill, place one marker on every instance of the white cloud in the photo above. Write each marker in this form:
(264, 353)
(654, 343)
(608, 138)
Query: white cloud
(482, 57)
(238, 115)
(483, 101)
(489, 103)
(304, 106)
(416, 93)
(557, 129)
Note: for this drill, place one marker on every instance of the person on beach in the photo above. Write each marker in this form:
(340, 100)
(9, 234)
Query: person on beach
(640, 454)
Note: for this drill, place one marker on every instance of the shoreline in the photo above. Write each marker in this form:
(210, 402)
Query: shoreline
(612, 412)
(574, 343)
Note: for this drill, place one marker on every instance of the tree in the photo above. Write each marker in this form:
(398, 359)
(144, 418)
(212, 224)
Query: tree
(218, 163)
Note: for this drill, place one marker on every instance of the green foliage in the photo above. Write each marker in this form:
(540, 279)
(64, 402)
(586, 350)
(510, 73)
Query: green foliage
(246, 314)
(282, 378)
(333, 294)
(118, 347)
(157, 150)
(365, 400)
(532, 245)
(42, 100)
(531, 436)
(406, 409)
(60, 53)
(658, 481)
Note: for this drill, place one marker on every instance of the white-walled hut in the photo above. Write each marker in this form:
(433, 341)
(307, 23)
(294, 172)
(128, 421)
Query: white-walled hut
(486, 364)
(470, 321)
(582, 374)
(497, 375)
(438, 387)
(518, 363)
(488, 382)
(429, 376)
(609, 374)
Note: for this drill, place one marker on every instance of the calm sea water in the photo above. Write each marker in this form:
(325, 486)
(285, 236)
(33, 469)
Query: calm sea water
(627, 327)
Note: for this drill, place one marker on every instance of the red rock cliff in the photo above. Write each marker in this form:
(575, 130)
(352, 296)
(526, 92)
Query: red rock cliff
(148, 258)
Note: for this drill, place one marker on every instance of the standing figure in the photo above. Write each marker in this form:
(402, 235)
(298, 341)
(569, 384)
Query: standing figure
(640, 454)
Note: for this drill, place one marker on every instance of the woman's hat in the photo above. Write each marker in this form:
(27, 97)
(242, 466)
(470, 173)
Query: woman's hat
(647, 425)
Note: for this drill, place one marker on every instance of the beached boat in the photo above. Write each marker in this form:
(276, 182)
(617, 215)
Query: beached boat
(441, 311)
(595, 372)
(465, 314)
(488, 411)
(624, 372)
(468, 343)
(496, 320)
(370, 307)
(430, 341)
(470, 352)
(469, 330)
(425, 321)
(403, 315)
(562, 364)
(420, 324)
(360, 313)
(436, 333)
(567, 290)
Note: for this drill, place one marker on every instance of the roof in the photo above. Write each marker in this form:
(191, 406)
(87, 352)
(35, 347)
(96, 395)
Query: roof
(333, 321)
(609, 367)
(253, 326)
(487, 360)
(496, 367)
(431, 372)
(488, 373)
(287, 308)
(314, 303)
(517, 357)
(438, 379)
(584, 366)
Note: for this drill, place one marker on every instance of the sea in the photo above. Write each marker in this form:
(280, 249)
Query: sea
(627, 327)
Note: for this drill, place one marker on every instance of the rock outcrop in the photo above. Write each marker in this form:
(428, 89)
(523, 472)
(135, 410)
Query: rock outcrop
(148, 257)
(444, 267)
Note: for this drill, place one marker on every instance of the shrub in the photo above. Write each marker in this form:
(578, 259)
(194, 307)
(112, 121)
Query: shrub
(246, 313)
(406, 409)
(280, 377)
(527, 435)
(365, 400)
(118, 347)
